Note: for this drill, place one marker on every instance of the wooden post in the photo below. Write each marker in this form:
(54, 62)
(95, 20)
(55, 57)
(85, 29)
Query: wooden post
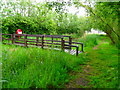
(12, 37)
(52, 42)
(77, 48)
(82, 48)
(42, 42)
(62, 44)
(37, 40)
(70, 42)
(52, 39)
(9, 41)
(25, 40)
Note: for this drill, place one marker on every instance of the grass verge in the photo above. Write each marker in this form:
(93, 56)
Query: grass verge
(35, 67)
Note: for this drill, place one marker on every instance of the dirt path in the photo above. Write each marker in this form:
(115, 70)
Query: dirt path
(81, 78)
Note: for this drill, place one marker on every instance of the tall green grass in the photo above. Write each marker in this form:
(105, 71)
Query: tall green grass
(90, 40)
(36, 68)
(104, 60)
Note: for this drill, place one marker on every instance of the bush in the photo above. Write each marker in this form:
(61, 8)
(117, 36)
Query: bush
(90, 40)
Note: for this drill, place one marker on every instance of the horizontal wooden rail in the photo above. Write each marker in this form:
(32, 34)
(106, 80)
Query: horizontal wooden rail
(7, 38)
(52, 40)
(6, 34)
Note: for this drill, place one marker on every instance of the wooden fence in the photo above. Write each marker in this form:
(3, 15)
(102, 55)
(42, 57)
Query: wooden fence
(57, 41)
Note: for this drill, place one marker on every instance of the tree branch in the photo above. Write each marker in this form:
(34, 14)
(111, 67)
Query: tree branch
(89, 8)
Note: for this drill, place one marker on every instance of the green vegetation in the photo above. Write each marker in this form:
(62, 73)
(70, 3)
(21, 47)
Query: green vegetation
(39, 68)
(90, 40)
(107, 20)
(54, 18)
(40, 18)
(104, 61)
(104, 16)
(36, 68)
(101, 68)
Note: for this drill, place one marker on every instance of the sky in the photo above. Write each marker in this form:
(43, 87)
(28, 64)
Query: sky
(72, 9)
(81, 11)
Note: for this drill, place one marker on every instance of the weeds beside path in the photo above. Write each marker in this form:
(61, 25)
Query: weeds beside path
(100, 71)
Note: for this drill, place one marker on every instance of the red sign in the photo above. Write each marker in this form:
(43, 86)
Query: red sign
(19, 31)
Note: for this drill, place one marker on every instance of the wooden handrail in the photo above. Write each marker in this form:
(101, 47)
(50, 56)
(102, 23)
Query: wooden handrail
(40, 40)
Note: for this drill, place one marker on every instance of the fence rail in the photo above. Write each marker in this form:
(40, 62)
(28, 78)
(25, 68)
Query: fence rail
(58, 41)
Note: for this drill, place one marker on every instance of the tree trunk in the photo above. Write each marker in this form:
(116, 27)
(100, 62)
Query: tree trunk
(109, 35)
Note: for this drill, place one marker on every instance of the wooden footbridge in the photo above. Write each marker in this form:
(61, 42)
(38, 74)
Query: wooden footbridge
(58, 42)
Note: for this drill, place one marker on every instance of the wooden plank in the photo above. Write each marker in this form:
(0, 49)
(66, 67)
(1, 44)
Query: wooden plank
(62, 44)
(6, 38)
(13, 39)
(65, 36)
(77, 48)
(82, 48)
(18, 43)
(25, 40)
(54, 36)
(52, 40)
(37, 39)
(34, 41)
(70, 42)
(77, 43)
(66, 41)
(18, 40)
(35, 35)
(60, 36)
(6, 34)
(42, 42)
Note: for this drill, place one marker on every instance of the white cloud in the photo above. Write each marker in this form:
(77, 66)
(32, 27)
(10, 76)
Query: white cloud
(80, 12)
(71, 9)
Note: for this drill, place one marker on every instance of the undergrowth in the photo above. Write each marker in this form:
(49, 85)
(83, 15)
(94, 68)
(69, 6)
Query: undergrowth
(35, 67)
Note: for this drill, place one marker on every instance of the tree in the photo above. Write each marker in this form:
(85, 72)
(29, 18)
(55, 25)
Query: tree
(106, 19)
(40, 18)
(104, 16)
